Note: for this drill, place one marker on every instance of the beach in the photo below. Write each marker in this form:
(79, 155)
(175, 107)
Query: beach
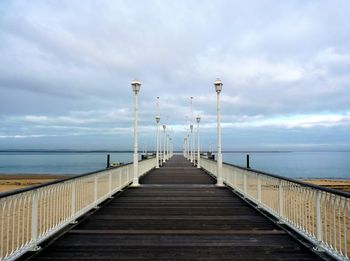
(9, 182)
(339, 184)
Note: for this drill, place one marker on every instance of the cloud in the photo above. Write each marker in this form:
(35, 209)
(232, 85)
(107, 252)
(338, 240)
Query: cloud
(66, 66)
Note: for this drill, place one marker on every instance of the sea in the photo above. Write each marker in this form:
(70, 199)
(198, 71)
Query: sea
(293, 164)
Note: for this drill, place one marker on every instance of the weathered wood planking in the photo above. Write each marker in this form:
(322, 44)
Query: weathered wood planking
(178, 214)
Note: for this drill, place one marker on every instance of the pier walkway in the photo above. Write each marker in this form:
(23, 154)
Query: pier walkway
(176, 214)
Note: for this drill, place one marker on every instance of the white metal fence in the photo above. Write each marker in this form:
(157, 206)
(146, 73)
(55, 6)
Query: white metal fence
(30, 216)
(321, 215)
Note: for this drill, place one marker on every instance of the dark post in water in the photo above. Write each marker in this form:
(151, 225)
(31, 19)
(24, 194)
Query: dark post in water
(108, 161)
(248, 161)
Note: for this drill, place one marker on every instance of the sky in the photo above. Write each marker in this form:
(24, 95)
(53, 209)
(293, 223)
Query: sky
(66, 68)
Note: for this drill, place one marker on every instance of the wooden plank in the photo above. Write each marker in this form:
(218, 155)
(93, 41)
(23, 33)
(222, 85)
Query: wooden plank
(177, 215)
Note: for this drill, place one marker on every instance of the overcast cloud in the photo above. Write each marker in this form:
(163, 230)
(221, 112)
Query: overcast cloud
(66, 68)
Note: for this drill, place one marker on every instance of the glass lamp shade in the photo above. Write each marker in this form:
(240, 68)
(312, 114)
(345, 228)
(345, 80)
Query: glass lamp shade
(218, 85)
(135, 85)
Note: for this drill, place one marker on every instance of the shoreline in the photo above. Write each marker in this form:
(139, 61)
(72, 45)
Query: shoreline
(338, 184)
(9, 182)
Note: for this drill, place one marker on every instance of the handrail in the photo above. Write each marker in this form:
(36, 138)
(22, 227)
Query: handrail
(330, 190)
(319, 214)
(31, 215)
(17, 191)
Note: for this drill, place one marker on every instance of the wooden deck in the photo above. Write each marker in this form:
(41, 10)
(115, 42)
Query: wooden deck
(177, 214)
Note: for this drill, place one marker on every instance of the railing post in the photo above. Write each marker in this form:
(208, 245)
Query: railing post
(235, 180)
(318, 217)
(34, 232)
(110, 184)
(280, 198)
(259, 189)
(245, 184)
(95, 191)
(120, 178)
(73, 199)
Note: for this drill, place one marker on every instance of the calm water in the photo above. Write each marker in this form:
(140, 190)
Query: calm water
(296, 164)
(291, 164)
(57, 162)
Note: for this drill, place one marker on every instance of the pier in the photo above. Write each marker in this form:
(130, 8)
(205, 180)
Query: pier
(176, 213)
(175, 207)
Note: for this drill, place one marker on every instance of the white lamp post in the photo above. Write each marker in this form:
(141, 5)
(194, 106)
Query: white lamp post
(192, 135)
(167, 146)
(218, 88)
(188, 147)
(157, 136)
(172, 148)
(136, 85)
(198, 143)
(191, 157)
(164, 142)
(170, 139)
(185, 147)
(160, 147)
(158, 141)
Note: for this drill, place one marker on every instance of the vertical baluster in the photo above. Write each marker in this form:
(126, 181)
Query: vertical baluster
(73, 198)
(327, 221)
(57, 205)
(8, 227)
(34, 234)
(29, 198)
(19, 210)
(318, 217)
(13, 224)
(313, 213)
(280, 199)
(259, 190)
(2, 243)
(47, 210)
(40, 211)
(110, 184)
(346, 225)
(23, 220)
(294, 200)
(95, 191)
(235, 180)
(339, 223)
(120, 179)
(334, 225)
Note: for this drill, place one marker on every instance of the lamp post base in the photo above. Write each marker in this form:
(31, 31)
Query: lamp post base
(135, 184)
(220, 183)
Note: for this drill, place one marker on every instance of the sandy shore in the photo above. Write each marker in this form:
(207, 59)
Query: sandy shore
(340, 184)
(10, 182)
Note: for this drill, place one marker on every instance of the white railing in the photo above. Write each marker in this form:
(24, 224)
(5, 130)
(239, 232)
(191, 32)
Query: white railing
(30, 216)
(319, 214)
